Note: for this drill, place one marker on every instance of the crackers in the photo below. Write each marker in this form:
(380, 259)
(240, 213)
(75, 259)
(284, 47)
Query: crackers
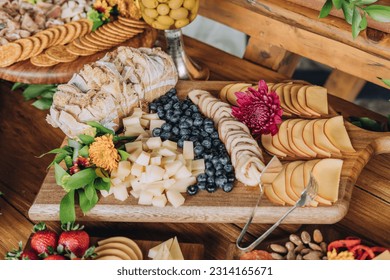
(9, 54)
(43, 60)
(60, 54)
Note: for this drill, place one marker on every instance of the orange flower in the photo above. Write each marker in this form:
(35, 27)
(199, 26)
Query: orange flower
(103, 154)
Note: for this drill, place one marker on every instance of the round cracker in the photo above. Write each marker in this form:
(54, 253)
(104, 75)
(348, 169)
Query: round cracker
(107, 29)
(70, 33)
(73, 49)
(85, 28)
(132, 23)
(44, 42)
(127, 28)
(63, 33)
(43, 60)
(88, 22)
(116, 30)
(108, 36)
(27, 47)
(36, 46)
(79, 28)
(51, 36)
(101, 45)
(101, 38)
(60, 54)
(9, 54)
(56, 34)
(86, 44)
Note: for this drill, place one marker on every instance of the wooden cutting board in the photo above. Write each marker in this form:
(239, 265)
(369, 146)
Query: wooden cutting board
(25, 72)
(221, 207)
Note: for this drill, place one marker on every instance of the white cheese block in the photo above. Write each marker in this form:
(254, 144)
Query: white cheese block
(135, 194)
(144, 123)
(188, 150)
(134, 154)
(145, 198)
(134, 130)
(166, 152)
(198, 164)
(159, 201)
(155, 124)
(170, 145)
(175, 198)
(153, 251)
(154, 173)
(124, 168)
(175, 250)
(154, 143)
(183, 172)
(166, 160)
(137, 170)
(156, 160)
(181, 184)
(120, 192)
(132, 146)
(150, 116)
(143, 158)
(130, 121)
(172, 168)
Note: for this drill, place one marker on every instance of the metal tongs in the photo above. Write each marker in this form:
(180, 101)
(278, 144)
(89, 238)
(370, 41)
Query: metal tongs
(308, 194)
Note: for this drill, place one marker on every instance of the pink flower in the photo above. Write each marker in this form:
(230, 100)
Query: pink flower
(259, 110)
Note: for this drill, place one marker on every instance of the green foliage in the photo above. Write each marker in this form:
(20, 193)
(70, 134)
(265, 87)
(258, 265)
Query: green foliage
(96, 18)
(42, 94)
(385, 81)
(356, 12)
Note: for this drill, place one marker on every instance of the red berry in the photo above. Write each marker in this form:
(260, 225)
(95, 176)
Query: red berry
(74, 240)
(20, 254)
(74, 169)
(29, 255)
(43, 241)
(83, 162)
(54, 257)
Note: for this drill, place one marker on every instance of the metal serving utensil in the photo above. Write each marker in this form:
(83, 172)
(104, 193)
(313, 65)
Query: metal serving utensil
(308, 194)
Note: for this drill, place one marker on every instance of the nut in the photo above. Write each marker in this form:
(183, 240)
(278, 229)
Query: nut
(324, 246)
(313, 255)
(291, 255)
(299, 248)
(305, 236)
(305, 251)
(315, 247)
(295, 239)
(278, 248)
(290, 246)
(317, 236)
(299, 257)
(277, 256)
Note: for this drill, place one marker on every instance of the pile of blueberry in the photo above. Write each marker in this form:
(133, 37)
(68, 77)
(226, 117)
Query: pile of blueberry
(184, 122)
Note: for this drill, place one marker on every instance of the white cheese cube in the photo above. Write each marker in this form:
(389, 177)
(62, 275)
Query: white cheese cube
(135, 194)
(171, 168)
(155, 160)
(183, 172)
(137, 113)
(134, 154)
(150, 117)
(175, 198)
(134, 130)
(155, 123)
(154, 173)
(145, 198)
(120, 192)
(115, 181)
(159, 201)
(124, 169)
(189, 164)
(166, 152)
(143, 158)
(197, 172)
(198, 164)
(170, 145)
(181, 184)
(188, 150)
(144, 123)
(181, 158)
(168, 183)
(131, 121)
(132, 146)
(154, 143)
(166, 160)
(137, 170)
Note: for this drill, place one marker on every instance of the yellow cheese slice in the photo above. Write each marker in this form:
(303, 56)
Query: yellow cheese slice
(294, 100)
(223, 92)
(175, 250)
(327, 173)
(283, 137)
(307, 169)
(279, 187)
(337, 134)
(317, 99)
(278, 89)
(301, 97)
(289, 167)
(266, 141)
(230, 93)
(298, 140)
(295, 149)
(279, 146)
(288, 100)
(297, 181)
(321, 140)
(156, 249)
(271, 195)
(308, 137)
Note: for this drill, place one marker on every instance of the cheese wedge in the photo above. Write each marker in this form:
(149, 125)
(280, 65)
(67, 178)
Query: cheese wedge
(271, 195)
(337, 134)
(308, 137)
(298, 140)
(321, 140)
(231, 96)
(154, 251)
(327, 173)
(279, 187)
(317, 99)
(175, 250)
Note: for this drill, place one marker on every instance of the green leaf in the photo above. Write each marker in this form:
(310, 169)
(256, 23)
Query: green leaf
(326, 9)
(87, 204)
(337, 3)
(80, 179)
(363, 23)
(378, 12)
(365, 2)
(356, 20)
(84, 151)
(89, 190)
(33, 91)
(385, 81)
(117, 138)
(57, 151)
(17, 86)
(124, 155)
(348, 12)
(59, 173)
(100, 184)
(100, 128)
(67, 211)
(370, 124)
(95, 17)
(43, 103)
(48, 94)
(68, 161)
(86, 139)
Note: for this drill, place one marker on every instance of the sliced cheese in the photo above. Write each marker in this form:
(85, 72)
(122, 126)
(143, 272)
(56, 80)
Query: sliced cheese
(308, 137)
(188, 150)
(271, 195)
(279, 187)
(230, 93)
(289, 168)
(321, 140)
(290, 124)
(153, 251)
(266, 141)
(278, 89)
(294, 100)
(301, 98)
(283, 137)
(317, 99)
(327, 172)
(297, 180)
(175, 250)
(297, 138)
(287, 99)
(337, 134)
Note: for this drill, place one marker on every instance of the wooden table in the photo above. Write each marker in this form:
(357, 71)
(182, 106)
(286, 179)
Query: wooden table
(24, 134)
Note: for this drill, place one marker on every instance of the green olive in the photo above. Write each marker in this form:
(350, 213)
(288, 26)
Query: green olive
(175, 4)
(151, 4)
(163, 9)
(152, 13)
(165, 20)
(147, 19)
(189, 4)
(180, 13)
(160, 26)
(182, 22)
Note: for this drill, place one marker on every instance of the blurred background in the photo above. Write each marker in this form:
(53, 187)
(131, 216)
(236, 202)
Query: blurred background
(372, 96)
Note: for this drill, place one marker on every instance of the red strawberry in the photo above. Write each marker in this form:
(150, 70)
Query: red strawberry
(74, 239)
(43, 241)
(19, 254)
(54, 257)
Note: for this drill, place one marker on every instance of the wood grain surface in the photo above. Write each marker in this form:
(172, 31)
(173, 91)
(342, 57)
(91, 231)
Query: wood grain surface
(220, 207)
(25, 72)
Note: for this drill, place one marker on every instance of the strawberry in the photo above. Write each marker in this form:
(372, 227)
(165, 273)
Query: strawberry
(20, 254)
(74, 239)
(54, 258)
(43, 241)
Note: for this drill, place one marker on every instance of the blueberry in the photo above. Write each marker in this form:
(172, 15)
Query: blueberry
(197, 115)
(208, 164)
(215, 160)
(208, 122)
(178, 112)
(227, 187)
(202, 185)
(197, 142)
(214, 135)
(209, 129)
(218, 166)
(188, 113)
(231, 177)
(201, 178)
(177, 105)
(192, 190)
(152, 106)
(208, 156)
(169, 114)
(168, 106)
(156, 132)
(220, 181)
(185, 137)
(180, 143)
(165, 135)
(204, 134)
(185, 106)
(175, 130)
(194, 139)
(206, 143)
(171, 92)
(198, 121)
(216, 142)
(195, 131)
(161, 114)
(223, 160)
(190, 122)
(166, 127)
(175, 118)
(198, 150)
(211, 188)
(185, 131)
(210, 179)
(175, 98)
(184, 125)
(228, 168)
(194, 108)
(164, 99)
(220, 172)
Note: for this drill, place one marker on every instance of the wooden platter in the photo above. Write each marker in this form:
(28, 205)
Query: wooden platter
(221, 207)
(25, 72)
(191, 251)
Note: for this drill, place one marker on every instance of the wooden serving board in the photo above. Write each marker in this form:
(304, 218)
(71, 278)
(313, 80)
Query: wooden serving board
(191, 251)
(25, 72)
(221, 207)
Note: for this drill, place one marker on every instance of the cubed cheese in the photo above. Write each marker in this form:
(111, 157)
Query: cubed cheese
(155, 160)
(124, 168)
(137, 170)
(131, 121)
(150, 116)
(183, 172)
(198, 164)
(155, 124)
(172, 168)
(132, 146)
(154, 143)
(143, 158)
(134, 130)
(181, 184)
(175, 198)
(145, 198)
(170, 145)
(154, 173)
(188, 150)
(159, 201)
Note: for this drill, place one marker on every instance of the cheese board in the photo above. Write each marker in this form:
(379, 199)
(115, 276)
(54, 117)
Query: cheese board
(221, 207)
